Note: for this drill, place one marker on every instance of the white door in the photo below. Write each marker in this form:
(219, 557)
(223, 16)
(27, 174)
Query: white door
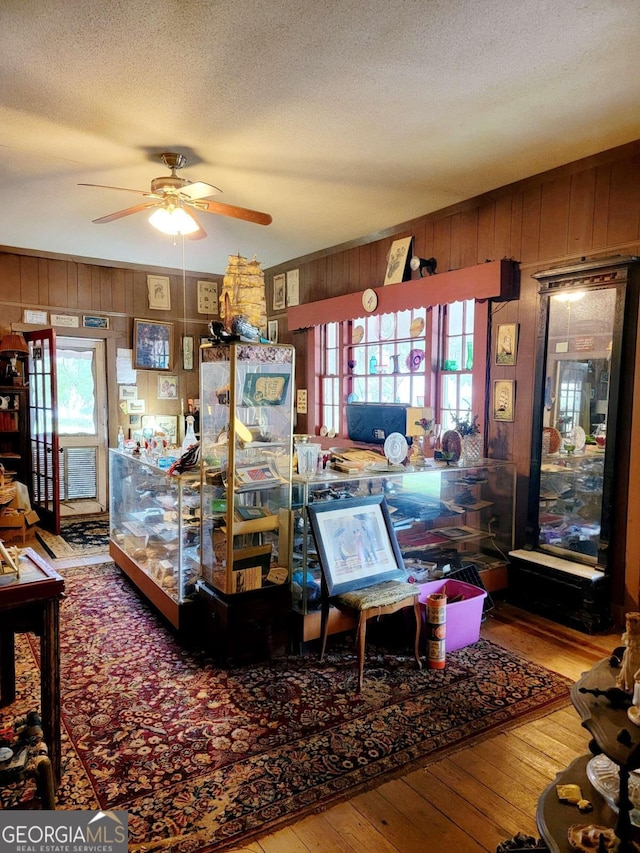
(82, 425)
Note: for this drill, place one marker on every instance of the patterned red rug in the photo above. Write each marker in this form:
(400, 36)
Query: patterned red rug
(204, 759)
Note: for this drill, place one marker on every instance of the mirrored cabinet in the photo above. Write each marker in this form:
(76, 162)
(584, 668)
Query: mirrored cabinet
(577, 503)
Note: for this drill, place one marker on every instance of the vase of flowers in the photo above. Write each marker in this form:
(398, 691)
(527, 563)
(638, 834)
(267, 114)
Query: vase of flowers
(471, 440)
(421, 442)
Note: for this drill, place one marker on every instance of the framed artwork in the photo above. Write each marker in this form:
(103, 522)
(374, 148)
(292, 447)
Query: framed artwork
(168, 424)
(159, 287)
(265, 389)
(272, 333)
(356, 543)
(507, 344)
(95, 322)
(167, 387)
(187, 352)
(127, 392)
(135, 407)
(503, 399)
(293, 287)
(279, 291)
(152, 345)
(134, 420)
(208, 297)
(398, 261)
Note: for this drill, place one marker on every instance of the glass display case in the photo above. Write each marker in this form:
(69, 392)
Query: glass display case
(439, 513)
(579, 477)
(155, 530)
(246, 425)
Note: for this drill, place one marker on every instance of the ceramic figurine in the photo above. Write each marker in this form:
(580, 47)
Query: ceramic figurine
(631, 657)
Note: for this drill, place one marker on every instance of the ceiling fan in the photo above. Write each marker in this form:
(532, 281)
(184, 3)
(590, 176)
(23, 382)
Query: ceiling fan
(175, 200)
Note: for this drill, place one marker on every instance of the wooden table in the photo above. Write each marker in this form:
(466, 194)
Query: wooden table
(31, 603)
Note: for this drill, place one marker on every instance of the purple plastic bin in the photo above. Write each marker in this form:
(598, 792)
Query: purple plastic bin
(463, 617)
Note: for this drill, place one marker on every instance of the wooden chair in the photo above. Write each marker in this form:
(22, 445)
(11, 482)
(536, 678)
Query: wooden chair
(378, 600)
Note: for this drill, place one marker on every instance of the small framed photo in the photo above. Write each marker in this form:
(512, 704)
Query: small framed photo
(398, 268)
(504, 399)
(167, 387)
(279, 292)
(159, 287)
(272, 332)
(208, 297)
(134, 420)
(152, 345)
(168, 424)
(507, 344)
(95, 322)
(187, 352)
(135, 407)
(127, 392)
(293, 287)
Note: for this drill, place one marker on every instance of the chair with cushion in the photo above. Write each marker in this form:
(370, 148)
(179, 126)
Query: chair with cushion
(362, 568)
(381, 599)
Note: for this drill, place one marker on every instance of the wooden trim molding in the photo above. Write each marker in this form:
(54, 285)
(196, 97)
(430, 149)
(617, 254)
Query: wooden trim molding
(482, 281)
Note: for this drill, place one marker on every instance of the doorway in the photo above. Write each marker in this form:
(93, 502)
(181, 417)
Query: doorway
(82, 425)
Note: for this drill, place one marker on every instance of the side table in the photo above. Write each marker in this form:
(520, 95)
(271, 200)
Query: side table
(31, 603)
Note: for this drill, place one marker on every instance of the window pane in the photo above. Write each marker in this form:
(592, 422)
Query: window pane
(76, 392)
(455, 316)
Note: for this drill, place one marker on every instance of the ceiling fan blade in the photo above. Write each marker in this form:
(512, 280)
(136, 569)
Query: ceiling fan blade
(127, 212)
(121, 189)
(235, 212)
(200, 234)
(199, 190)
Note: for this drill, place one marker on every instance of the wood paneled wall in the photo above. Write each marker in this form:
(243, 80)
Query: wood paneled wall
(70, 287)
(590, 208)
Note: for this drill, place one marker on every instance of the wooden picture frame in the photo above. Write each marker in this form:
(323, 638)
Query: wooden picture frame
(159, 289)
(279, 292)
(398, 261)
(356, 543)
(208, 297)
(187, 352)
(504, 400)
(167, 387)
(152, 345)
(506, 344)
(272, 333)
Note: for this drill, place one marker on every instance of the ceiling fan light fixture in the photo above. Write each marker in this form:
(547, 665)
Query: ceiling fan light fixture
(173, 221)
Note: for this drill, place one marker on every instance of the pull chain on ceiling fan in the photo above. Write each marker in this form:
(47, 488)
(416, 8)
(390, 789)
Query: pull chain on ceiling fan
(175, 200)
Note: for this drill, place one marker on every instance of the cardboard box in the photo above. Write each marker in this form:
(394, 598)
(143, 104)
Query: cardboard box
(16, 522)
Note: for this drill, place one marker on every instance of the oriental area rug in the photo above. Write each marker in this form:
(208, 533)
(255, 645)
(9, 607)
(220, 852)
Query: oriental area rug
(206, 759)
(77, 538)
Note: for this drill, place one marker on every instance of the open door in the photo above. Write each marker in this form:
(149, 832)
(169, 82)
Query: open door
(43, 416)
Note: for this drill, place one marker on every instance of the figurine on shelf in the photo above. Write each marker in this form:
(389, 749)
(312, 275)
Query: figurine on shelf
(631, 657)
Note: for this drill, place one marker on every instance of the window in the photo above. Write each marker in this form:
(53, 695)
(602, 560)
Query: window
(388, 358)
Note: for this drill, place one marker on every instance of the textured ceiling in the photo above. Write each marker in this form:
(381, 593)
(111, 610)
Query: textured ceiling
(339, 118)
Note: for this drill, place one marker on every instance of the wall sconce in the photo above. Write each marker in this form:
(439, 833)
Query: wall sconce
(422, 264)
(11, 347)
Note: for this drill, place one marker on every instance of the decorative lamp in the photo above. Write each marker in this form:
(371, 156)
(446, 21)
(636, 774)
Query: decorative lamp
(422, 264)
(173, 220)
(419, 426)
(11, 347)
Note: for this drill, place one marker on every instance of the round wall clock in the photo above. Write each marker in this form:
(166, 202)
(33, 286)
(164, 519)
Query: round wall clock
(369, 299)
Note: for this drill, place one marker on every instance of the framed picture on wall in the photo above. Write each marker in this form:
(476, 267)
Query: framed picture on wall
(507, 344)
(208, 297)
(398, 261)
(159, 287)
(503, 399)
(167, 387)
(187, 352)
(152, 345)
(279, 292)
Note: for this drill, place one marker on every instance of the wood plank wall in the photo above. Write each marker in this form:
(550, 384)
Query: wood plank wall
(71, 287)
(590, 208)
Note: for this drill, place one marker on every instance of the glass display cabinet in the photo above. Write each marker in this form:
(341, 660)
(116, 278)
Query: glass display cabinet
(439, 513)
(155, 531)
(246, 427)
(578, 480)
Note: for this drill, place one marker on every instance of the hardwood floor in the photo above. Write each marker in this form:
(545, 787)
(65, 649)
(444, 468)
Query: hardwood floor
(472, 800)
